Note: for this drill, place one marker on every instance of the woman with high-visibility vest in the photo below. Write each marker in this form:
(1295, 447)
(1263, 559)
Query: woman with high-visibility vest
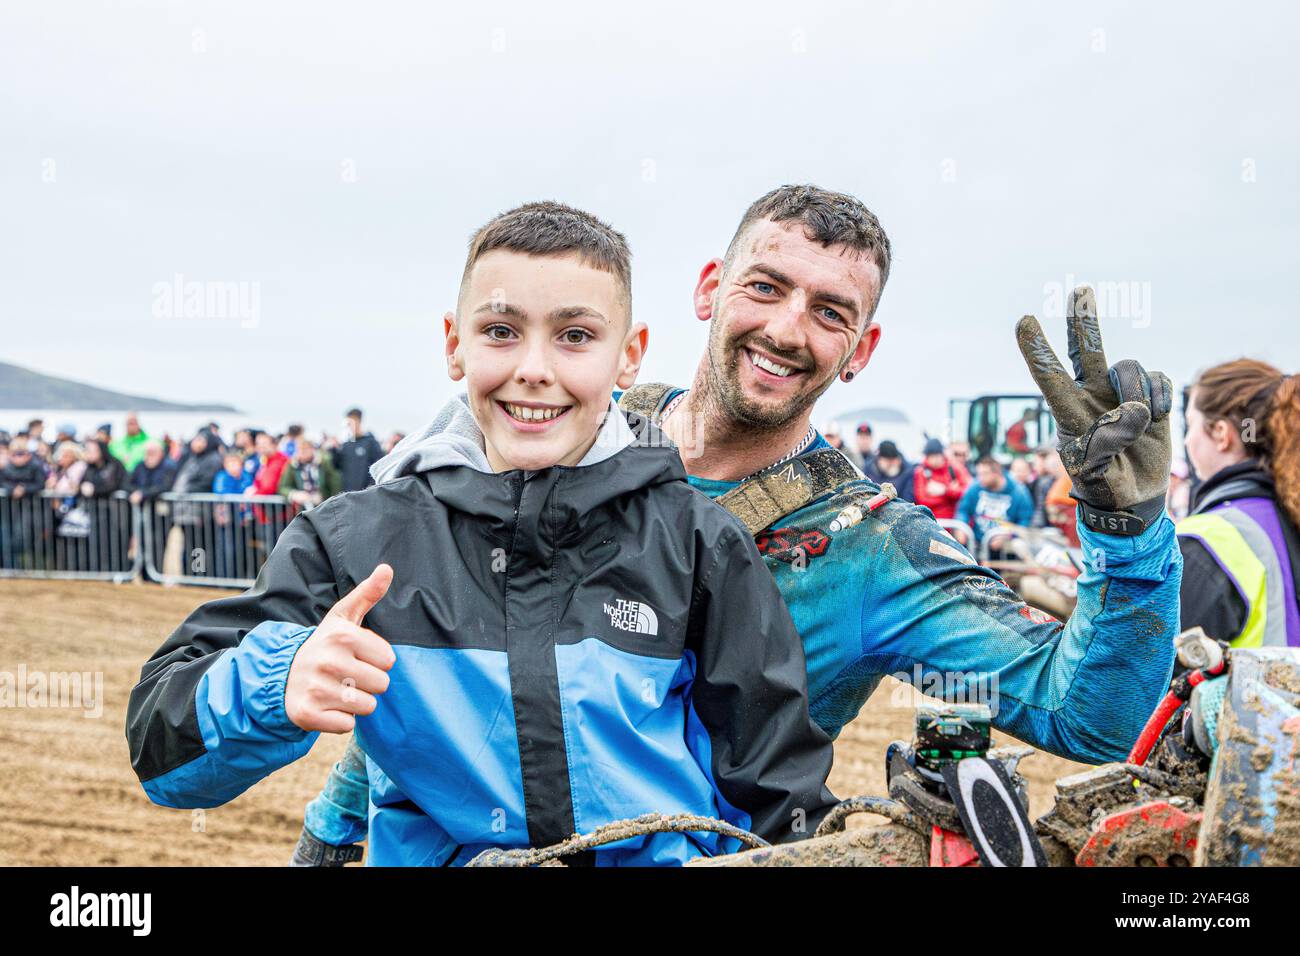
(1241, 549)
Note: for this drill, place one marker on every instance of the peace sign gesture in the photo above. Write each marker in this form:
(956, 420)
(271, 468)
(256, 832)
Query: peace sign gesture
(1113, 422)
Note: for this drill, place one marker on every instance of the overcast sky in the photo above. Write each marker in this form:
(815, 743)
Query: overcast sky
(335, 157)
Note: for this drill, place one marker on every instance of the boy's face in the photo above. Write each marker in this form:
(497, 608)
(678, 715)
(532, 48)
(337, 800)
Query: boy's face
(234, 466)
(540, 342)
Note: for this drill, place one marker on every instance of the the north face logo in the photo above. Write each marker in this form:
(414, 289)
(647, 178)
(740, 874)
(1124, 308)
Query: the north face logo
(633, 616)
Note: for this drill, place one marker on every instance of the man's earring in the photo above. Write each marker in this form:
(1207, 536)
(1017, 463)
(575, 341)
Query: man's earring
(848, 375)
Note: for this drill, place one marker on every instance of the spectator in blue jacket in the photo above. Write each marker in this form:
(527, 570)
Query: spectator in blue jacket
(235, 556)
(995, 497)
(233, 478)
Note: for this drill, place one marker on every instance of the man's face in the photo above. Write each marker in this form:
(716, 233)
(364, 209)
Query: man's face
(890, 466)
(353, 425)
(934, 461)
(153, 455)
(198, 444)
(305, 452)
(989, 477)
(786, 318)
(959, 452)
(265, 445)
(540, 342)
(132, 425)
(19, 454)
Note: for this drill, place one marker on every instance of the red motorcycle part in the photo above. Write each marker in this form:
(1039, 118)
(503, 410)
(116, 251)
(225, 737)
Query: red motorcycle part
(951, 849)
(1153, 834)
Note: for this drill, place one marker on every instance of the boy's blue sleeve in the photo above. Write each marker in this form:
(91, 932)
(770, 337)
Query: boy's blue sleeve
(207, 719)
(1083, 689)
(239, 707)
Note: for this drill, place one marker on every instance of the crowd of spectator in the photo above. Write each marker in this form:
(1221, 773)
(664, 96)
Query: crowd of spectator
(252, 461)
(81, 476)
(1032, 491)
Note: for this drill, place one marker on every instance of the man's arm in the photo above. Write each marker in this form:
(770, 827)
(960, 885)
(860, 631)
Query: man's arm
(748, 722)
(1086, 688)
(1083, 689)
(207, 719)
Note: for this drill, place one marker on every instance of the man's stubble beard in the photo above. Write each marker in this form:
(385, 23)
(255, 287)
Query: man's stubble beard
(727, 396)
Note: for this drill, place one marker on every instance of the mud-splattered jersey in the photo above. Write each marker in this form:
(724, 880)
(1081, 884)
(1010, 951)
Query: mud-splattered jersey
(893, 594)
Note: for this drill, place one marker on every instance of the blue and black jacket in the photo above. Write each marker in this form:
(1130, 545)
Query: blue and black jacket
(575, 646)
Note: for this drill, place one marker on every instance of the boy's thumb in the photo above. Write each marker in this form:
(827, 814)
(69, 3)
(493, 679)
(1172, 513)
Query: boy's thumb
(357, 604)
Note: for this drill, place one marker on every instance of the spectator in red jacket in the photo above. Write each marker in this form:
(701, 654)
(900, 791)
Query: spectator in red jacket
(938, 482)
(271, 462)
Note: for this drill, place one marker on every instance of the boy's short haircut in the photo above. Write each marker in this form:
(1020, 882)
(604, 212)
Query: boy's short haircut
(553, 229)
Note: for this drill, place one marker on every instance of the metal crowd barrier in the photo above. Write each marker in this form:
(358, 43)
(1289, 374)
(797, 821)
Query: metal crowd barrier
(205, 539)
(217, 540)
(960, 530)
(46, 534)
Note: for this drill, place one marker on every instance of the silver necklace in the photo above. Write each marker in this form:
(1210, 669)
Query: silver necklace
(808, 438)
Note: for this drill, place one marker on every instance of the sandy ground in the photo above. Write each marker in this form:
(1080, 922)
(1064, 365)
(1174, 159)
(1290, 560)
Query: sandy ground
(69, 795)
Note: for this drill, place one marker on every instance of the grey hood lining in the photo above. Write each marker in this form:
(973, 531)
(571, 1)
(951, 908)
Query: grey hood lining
(453, 439)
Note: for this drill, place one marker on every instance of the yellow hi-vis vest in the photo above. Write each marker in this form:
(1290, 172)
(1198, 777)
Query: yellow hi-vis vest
(1244, 551)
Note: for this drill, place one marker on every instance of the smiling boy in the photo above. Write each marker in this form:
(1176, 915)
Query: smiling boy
(533, 624)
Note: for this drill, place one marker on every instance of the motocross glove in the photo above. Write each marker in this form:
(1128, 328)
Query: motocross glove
(1113, 423)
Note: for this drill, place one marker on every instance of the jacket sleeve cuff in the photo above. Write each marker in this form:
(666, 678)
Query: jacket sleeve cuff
(1144, 557)
(262, 660)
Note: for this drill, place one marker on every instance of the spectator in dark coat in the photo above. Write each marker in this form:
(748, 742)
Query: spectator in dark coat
(355, 456)
(890, 465)
(198, 467)
(24, 475)
(154, 475)
(21, 482)
(104, 474)
(109, 520)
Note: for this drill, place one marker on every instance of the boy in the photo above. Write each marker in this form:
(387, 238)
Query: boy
(558, 631)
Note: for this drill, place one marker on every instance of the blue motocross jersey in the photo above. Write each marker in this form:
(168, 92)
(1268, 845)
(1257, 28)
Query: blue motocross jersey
(895, 595)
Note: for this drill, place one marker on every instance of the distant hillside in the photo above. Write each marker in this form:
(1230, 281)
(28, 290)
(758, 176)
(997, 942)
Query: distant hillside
(24, 388)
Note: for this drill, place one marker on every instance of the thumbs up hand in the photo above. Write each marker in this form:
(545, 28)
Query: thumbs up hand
(339, 669)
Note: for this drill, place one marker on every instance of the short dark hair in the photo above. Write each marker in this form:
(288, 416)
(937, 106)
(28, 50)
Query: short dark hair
(552, 229)
(831, 218)
(353, 413)
(990, 461)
